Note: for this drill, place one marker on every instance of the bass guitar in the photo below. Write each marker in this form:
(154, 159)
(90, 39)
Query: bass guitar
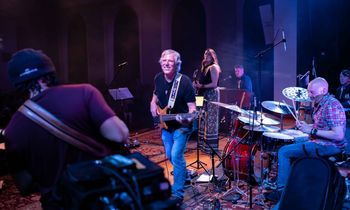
(163, 117)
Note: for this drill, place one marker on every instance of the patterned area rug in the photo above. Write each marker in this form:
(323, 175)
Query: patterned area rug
(151, 145)
(11, 199)
(197, 195)
(213, 196)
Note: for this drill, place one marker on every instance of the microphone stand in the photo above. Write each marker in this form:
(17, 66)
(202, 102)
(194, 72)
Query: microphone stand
(259, 55)
(250, 172)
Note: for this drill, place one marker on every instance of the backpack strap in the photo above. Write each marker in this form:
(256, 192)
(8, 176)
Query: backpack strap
(48, 121)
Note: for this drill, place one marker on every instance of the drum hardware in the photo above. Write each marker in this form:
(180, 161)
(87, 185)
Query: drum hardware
(271, 142)
(259, 198)
(236, 172)
(252, 123)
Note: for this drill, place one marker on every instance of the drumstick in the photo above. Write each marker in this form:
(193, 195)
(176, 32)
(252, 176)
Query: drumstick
(295, 109)
(291, 112)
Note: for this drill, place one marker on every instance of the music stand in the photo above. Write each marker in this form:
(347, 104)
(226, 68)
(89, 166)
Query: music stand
(199, 104)
(122, 94)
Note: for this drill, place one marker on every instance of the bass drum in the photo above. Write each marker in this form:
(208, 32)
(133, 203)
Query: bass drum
(241, 165)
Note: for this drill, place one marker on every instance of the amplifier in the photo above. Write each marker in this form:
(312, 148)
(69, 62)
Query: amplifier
(119, 182)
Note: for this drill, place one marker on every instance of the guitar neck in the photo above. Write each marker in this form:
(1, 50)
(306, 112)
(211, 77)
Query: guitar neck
(168, 117)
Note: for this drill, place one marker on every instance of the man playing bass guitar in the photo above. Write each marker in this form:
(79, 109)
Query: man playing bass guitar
(174, 92)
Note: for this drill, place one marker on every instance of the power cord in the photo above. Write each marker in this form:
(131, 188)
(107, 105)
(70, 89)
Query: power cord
(136, 199)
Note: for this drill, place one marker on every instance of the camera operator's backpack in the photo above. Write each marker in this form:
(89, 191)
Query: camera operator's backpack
(314, 183)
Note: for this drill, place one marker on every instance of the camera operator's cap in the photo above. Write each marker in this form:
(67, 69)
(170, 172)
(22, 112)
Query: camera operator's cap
(28, 64)
(346, 72)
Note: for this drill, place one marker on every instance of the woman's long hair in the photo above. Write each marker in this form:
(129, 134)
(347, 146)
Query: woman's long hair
(214, 59)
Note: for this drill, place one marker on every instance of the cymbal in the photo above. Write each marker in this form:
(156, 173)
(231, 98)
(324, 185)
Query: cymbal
(276, 106)
(268, 121)
(296, 94)
(262, 128)
(260, 118)
(234, 108)
(248, 120)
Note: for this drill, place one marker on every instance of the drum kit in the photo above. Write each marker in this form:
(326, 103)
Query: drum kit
(256, 137)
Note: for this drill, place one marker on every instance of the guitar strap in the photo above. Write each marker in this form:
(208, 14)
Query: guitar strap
(48, 121)
(174, 90)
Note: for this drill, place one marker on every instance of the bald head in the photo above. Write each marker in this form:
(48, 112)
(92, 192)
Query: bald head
(317, 88)
(320, 82)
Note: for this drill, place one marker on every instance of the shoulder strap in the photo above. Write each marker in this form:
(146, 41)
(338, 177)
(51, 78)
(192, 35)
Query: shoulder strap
(42, 117)
(174, 89)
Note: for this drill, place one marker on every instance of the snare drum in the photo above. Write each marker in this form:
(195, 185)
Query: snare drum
(272, 141)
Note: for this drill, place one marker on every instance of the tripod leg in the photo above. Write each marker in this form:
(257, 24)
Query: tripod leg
(199, 163)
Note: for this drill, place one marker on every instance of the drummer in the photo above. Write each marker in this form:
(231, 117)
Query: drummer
(326, 134)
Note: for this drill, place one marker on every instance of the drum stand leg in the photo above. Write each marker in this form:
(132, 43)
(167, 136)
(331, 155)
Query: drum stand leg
(266, 183)
(235, 193)
(259, 198)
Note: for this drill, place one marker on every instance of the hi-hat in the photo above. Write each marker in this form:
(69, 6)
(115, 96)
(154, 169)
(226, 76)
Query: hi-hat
(260, 118)
(234, 108)
(262, 128)
(276, 107)
(296, 94)
(248, 120)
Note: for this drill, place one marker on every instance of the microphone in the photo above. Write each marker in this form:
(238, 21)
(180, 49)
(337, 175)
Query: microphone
(229, 77)
(122, 64)
(284, 41)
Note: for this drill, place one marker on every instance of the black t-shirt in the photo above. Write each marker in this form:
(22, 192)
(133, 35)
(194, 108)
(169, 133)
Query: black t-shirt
(185, 95)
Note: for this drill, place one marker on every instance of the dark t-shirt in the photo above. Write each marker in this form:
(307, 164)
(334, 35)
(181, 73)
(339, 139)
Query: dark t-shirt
(185, 95)
(31, 147)
(245, 83)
